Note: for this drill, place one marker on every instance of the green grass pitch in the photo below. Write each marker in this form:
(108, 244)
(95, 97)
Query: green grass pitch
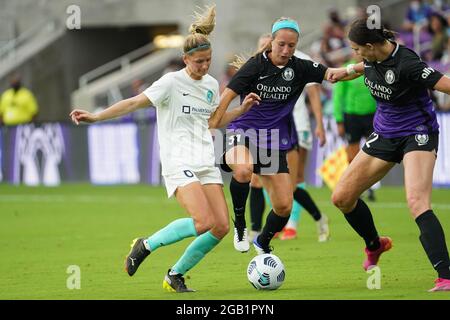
(43, 231)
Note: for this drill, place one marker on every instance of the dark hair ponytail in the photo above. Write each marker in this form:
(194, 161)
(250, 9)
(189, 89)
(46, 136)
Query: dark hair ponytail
(361, 34)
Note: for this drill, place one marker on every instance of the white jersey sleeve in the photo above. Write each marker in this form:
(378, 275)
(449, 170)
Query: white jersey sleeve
(160, 91)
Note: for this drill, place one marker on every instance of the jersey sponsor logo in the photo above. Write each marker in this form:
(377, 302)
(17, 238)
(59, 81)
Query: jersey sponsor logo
(196, 110)
(422, 139)
(284, 141)
(378, 90)
(390, 77)
(209, 96)
(288, 74)
(187, 109)
(272, 92)
(426, 72)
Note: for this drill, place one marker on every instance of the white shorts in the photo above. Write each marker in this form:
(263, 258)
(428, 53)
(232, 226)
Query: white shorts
(184, 177)
(305, 139)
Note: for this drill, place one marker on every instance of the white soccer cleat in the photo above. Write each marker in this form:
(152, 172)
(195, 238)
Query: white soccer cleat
(323, 229)
(241, 243)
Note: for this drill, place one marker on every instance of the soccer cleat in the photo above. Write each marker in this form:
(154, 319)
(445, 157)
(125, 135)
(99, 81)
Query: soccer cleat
(175, 283)
(136, 255)
(441, 285)
(323, 229)
(374, 256)
(289, 234)
(241, 243)
(260, 249)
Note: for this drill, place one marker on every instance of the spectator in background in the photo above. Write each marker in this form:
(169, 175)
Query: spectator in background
(17, 104)
(438, 28)
(333, 40)
(418, 13)
(440, 7)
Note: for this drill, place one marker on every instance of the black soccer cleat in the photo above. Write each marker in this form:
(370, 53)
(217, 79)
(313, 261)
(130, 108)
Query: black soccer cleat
(136, 255)
(175, 283)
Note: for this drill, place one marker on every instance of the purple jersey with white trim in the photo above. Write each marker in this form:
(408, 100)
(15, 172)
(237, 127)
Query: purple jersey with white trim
(400, 86)
(279, 89)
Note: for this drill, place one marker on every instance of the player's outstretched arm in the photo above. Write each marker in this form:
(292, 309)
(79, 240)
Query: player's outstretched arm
(116, 110)
(344, 74)
(443, 85)
(250, 100)
(225, 99)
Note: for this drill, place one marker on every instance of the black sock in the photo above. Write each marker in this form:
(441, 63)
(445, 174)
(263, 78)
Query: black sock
(433, 241)
(257, 206)
(274, 224)
(362, 222)
(305, 200)
(239, 193)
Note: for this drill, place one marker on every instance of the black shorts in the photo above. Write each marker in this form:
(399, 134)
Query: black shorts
(267, 161)
(394, 149)
(357, 127)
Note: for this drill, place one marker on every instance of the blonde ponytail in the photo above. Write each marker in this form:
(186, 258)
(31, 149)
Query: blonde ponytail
(203, 25)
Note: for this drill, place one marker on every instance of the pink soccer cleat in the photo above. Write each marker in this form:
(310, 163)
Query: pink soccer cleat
(441, 285)
(289, 234)
(374, 256)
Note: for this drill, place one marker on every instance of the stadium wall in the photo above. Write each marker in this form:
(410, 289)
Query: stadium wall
(127, 152)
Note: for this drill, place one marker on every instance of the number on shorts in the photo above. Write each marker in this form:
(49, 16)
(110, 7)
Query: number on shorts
(234, 139)
(375, 138)
(188, 173)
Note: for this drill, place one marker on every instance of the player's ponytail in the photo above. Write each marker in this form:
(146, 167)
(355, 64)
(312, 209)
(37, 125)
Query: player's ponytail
(360, 33)
(264, 44)
(199, 30)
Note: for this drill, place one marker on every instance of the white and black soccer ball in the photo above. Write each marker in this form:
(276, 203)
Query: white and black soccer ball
(266, 272)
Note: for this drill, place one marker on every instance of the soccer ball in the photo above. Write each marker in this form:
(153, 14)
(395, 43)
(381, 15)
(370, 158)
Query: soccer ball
(266, 272)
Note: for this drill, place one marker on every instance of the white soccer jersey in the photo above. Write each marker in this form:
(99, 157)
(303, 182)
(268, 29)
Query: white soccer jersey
(184, 106)
(301, 116)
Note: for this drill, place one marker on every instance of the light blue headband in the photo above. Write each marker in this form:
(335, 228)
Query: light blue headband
(285, 24)
(200, 47)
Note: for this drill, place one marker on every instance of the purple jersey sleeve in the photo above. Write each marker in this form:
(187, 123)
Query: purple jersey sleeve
(415, 71)
(313, 71)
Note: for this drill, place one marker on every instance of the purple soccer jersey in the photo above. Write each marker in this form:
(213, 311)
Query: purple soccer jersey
(268, 125)
(400, 86)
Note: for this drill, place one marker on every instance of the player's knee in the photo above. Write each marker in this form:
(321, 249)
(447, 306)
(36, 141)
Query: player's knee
(201, 226)
(221, 229)
(340, 200)
(284, 207)
(243, 173)
(416, 204)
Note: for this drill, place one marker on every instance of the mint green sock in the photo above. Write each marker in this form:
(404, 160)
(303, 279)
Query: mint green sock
(266, 196)
(296, 208)
(195, 252)
(173, 232)
(296, 211)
